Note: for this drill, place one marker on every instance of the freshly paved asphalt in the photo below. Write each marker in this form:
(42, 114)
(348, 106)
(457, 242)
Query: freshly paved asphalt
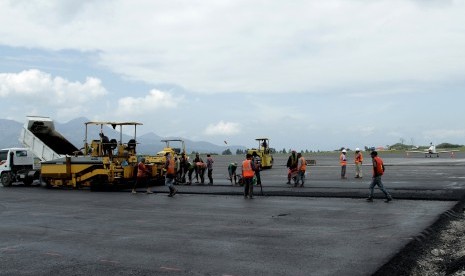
(413, 177)
(212, 230)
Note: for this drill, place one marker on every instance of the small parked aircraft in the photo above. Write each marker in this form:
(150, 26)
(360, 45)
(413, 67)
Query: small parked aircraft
(431, 151)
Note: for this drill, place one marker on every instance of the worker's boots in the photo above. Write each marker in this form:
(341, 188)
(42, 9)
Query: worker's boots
(172, 191)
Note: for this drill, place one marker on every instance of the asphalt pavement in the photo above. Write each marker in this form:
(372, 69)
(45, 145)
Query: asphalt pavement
(57, 232)
(407, 177)
(213, 230)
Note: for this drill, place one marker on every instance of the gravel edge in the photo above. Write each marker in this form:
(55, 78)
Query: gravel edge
(438, 250)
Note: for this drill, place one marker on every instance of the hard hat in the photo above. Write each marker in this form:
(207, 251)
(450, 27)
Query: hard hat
(357, 149)
(344, 150)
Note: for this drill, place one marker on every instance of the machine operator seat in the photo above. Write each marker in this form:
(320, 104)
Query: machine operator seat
(113, 144)
(131, 145)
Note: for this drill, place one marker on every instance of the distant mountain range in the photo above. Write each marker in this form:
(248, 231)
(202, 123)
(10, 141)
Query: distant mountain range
(74, 131)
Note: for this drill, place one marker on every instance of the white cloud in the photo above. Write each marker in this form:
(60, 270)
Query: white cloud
(154, 100)
(440, 135)
(246, 46)
(366, 130)
(223, 128)
(35, 85)
(321, 69)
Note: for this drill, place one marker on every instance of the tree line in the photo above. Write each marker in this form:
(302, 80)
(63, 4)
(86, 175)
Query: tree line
(272, 151)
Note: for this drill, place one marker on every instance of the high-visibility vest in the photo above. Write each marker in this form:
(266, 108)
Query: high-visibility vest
(170, 170)
(141, 170)
(358, 158)
(377, 166)
(343, 159)
(303, 164)
(247, 171)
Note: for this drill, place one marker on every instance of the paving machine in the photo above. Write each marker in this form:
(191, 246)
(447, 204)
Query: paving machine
(175, 151)
(159, 159)
(263, 152)
(100, 163)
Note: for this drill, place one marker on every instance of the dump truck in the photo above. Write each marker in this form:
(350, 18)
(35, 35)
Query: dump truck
(41, 143)
(101, 163)
(39, 136)
(18, 165)
(263, 151)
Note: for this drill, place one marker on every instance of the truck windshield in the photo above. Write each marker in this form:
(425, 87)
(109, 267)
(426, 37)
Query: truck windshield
(3, 155)
(21, 153)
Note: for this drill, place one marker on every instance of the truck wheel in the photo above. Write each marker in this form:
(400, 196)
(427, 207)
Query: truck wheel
(28, 181)
(96, 187)
(6, 180)
(44, 182)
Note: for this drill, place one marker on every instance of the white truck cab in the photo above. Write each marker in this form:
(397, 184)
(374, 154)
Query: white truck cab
(18, 165)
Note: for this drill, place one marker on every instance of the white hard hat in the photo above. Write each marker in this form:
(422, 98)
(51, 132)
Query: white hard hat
(344, 150)
(357, 149)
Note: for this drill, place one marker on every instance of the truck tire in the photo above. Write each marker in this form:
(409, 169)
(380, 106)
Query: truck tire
(6, 180)
(98, 187)
(28, 181)
(44, 182)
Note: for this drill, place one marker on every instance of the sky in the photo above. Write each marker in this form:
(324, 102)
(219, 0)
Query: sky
(308, 74)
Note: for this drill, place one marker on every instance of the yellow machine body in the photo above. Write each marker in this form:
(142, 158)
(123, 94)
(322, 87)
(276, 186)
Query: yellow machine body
(158, 161)
(263, 151)
(97, 168)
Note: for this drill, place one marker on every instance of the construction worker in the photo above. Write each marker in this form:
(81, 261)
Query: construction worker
(257, 162)
(177, 169)
(301, 167)
(106, 147)
(197, 159)
(170, 174)
(142, 177)
(343, 162)
(200, 168)
(248, 172)
(184, 167)
(358, 163)
(210, 169)
(232, 172)
(190, 171)
(378, 171)
(291, 165)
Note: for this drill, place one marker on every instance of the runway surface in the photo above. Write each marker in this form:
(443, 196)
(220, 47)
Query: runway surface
(213, 230)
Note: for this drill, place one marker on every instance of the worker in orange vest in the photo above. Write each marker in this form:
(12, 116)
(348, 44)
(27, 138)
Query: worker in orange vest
(142, 177)
(170, 174)
(378, 171)
(343, 162)
(358, 163)
(248, 172)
